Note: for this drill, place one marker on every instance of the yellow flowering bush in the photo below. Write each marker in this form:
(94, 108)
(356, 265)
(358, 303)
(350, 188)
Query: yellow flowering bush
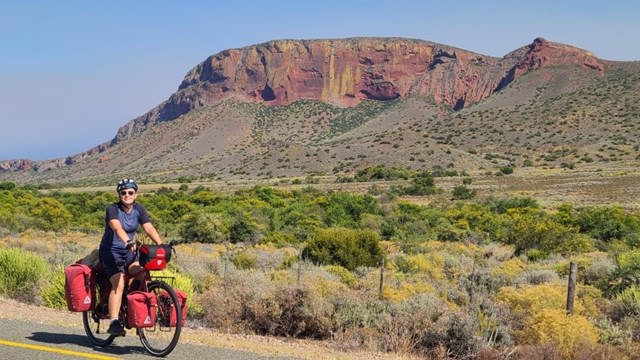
(566, 332)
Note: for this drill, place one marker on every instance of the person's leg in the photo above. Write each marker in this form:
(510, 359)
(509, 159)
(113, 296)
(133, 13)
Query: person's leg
(115, 300)
(117, 278)
(138, 273)
(115, 296)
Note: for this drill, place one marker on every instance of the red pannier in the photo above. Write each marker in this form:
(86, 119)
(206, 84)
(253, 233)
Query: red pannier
(141, 309)
(79, 287)
(155, 257)
(182, 299)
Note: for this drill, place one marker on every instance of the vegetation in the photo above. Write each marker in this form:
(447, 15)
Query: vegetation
(465, 277)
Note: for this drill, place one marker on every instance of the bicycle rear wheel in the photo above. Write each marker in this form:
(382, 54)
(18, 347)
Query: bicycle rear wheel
(95, 329)
(162, 337)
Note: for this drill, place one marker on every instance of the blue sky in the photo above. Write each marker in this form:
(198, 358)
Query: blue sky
(72, 72)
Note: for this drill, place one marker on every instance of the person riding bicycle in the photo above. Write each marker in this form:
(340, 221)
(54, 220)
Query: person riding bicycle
(118, 248)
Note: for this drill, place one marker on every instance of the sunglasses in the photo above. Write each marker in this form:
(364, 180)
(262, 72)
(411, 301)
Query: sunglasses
(127, 192)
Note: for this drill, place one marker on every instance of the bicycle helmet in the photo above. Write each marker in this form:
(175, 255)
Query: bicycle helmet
(127, 184)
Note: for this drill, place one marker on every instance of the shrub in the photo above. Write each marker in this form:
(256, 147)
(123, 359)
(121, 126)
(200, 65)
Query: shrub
(52, 293)
(506, 170)
(346, 277)
(609, 223)
(600, 266)
(629, 301)
(287, 310)
(244, 261)
(509, 270)
(21, 274)
(429, 264)
(531, 299)
(625, 275)
(51, 215)
(536, 255)
(7, 185)
(610, 333)
(278, 239)
(345, 247)
(537, 277)
(204, 227)
(425, 324)
(461, 192)
(529, 228)
(566, 333)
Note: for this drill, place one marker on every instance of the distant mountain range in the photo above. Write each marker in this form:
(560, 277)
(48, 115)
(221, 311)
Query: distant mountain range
(323, 107)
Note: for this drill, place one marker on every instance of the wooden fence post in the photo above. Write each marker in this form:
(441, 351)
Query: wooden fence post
(299, 266)
(381, 278)
(571, 290)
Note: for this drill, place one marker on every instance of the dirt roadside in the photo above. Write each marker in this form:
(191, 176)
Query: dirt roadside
(268, 346)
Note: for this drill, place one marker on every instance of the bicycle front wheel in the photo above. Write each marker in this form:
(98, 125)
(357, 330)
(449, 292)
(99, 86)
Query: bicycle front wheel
(162, 337)
(95, 328)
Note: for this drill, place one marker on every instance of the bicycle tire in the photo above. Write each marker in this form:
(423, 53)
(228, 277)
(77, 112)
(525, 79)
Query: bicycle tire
(160, 339)
(95, 330)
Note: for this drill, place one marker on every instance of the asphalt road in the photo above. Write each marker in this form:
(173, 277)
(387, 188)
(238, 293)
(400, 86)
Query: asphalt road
(35, 341)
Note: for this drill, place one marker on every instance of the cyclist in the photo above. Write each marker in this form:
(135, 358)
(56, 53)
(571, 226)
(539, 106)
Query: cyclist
(118, 248)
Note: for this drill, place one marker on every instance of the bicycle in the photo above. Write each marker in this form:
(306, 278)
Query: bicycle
(161, 337)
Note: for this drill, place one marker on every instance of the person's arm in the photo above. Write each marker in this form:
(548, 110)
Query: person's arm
(152, 232)
(116, 226)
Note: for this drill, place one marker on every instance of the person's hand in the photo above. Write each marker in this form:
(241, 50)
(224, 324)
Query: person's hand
(131, 245)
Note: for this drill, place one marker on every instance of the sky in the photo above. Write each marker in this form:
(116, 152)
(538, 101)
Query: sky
(72, 72)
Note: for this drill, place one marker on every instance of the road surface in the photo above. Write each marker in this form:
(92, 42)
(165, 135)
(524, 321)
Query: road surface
(26, 339)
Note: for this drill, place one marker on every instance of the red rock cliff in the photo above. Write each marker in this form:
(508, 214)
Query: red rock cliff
(343, 72)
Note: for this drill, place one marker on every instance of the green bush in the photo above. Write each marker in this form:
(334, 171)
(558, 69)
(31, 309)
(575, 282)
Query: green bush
(244, 261)
(52, 293)
(609, 223)
(21, 274)
(346, 276)
(629, 301)
(204, 227)
(461, 192)
(506, 170)
(7, 185)
(345, 247)
(51, 215)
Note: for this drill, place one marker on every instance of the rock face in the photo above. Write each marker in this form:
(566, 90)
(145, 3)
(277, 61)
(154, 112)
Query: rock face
(544, 53)
(341, 72)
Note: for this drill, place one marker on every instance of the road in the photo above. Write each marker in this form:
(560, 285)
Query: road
(26, 339)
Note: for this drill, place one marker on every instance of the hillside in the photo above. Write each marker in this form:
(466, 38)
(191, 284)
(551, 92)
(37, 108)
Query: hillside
(407, 103)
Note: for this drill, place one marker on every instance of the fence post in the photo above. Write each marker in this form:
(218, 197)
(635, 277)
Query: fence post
(224, 275)
(299, 266)
(381, 277)
(571, 290)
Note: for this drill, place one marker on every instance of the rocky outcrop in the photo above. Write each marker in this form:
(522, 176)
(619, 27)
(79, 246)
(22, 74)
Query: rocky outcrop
(341, 72)
(543, 53)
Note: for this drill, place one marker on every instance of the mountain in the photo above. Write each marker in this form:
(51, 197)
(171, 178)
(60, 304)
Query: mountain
(301, 107)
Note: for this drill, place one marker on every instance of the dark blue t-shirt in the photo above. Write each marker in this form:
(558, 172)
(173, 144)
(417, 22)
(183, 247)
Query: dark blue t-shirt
(130, 223)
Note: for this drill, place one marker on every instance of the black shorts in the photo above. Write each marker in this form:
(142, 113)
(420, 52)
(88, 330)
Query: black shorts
(117, 261)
